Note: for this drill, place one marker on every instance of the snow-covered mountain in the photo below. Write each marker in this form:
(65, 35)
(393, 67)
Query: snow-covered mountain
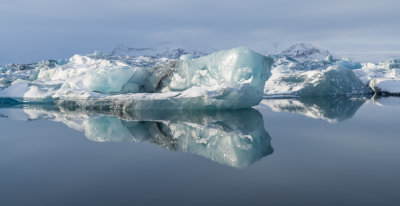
(169, 52)
(306, 52)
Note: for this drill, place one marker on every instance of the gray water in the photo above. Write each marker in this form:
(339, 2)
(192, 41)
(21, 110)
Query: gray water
(320, 151)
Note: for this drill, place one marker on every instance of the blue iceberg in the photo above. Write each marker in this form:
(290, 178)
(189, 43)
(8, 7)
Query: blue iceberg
(230, 79)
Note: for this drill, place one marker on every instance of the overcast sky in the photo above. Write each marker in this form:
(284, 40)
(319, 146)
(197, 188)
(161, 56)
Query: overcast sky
(42, 29)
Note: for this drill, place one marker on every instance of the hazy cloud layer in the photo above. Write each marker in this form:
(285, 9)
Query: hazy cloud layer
(32, 30)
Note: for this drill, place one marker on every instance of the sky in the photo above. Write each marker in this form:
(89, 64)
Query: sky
(32, 30)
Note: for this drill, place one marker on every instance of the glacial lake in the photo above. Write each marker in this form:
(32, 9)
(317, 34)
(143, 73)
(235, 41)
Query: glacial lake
(319, 151)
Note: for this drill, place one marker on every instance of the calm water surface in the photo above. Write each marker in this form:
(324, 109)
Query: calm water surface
(283, 152)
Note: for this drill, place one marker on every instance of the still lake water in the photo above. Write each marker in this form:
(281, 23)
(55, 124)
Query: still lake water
(282, 152)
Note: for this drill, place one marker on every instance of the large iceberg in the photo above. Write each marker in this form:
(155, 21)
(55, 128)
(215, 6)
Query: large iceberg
(233, 138)
(228, 79)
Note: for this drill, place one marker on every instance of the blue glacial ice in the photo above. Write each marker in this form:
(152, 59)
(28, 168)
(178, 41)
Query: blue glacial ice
(228, 79)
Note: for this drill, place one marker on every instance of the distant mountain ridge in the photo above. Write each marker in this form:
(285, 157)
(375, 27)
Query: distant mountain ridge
(306, 52)
(159, 52)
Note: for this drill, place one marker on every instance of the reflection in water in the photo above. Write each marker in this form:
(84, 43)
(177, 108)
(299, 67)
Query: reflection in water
(331, 109)
(393, 101)
(233, 138)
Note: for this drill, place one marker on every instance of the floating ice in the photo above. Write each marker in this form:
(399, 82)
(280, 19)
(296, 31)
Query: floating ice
(145, 78)
(233, 138)
(313, 78)
(382, 78)
(228, 79)
(301, 70)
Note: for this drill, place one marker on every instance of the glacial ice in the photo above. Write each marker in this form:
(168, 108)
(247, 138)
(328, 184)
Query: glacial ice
(233, 138)
(301, 70)
(329, 77)
(382, 78)
(145, 78)
(228, 79)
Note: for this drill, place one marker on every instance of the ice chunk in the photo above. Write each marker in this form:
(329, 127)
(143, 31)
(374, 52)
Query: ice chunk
(304, 70)
(334, 80)
(18, 72)
(223, 80)
(382, 78)
(386, 86)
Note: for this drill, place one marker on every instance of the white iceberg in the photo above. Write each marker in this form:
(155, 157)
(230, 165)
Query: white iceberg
(382, 78)
(302, 70)
(329, 76)
(228, 79)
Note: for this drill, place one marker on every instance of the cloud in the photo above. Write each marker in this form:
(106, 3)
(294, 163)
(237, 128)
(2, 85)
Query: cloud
(57, 28)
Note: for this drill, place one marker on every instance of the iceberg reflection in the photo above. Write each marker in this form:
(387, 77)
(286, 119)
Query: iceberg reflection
(392, 101)
(329, 108)
(234, 138)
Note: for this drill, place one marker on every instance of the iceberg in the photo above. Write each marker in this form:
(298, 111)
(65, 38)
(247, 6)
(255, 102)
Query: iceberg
(230, 79)
(302, 70)
(327, 77)
(234, 138)
(383, 78)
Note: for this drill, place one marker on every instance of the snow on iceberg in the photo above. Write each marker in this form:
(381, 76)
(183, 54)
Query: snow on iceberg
(382, 78)
(228, 79)
(329, 76)
(233, 138)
